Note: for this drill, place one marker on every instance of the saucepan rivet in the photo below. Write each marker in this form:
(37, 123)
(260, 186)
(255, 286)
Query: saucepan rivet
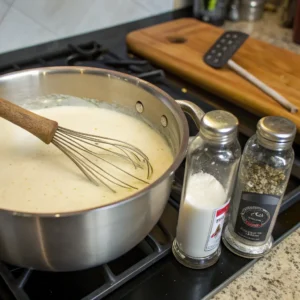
(164, 121)
(139, 107)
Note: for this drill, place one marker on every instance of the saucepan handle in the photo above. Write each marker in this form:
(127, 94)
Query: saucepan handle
(196, 114)
(192, 110)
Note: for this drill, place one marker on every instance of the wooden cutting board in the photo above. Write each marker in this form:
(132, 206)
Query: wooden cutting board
(178, 46)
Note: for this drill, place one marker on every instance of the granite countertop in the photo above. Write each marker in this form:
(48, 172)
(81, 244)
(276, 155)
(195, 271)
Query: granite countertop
(269, 30)
(275, 276)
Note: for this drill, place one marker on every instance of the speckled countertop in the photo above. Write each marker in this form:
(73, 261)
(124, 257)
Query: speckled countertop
(275, 276)
(267, 29)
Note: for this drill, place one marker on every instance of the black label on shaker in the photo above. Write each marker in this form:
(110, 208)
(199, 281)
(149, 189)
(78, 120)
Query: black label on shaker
(255, 216)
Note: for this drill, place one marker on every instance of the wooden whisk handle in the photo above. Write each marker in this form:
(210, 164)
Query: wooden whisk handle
(41, 127)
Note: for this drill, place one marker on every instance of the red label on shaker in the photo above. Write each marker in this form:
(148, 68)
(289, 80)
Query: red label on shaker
(218, 217)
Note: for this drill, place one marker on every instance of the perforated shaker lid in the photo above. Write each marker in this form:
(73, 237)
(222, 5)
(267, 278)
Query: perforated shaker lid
(219, 125)
(276, 133)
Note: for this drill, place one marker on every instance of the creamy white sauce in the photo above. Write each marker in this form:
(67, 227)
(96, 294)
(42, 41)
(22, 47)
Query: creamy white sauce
(35, 177)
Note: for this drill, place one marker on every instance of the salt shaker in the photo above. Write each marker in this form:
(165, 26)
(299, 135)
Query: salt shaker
(210, 171)
(262, 179)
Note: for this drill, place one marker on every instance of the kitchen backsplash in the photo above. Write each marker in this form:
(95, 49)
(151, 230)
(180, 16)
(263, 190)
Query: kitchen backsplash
(24, 23)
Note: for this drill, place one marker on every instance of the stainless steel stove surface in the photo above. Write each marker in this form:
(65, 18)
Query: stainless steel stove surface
(148, 271)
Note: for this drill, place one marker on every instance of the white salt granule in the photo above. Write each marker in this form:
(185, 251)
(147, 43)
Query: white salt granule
(204, 195)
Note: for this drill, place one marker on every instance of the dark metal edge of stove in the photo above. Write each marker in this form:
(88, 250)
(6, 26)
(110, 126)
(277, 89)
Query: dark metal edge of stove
(290, 199)
(249, 265)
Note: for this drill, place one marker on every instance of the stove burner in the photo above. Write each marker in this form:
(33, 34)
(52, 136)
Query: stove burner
(89, 51)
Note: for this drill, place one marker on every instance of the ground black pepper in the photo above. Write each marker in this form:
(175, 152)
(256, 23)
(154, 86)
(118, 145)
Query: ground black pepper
(263, 179)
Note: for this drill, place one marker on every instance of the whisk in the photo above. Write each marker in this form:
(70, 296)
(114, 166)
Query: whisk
(83, 149)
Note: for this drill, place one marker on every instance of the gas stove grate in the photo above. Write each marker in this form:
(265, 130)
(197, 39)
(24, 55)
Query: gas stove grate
(17, 278)
(90, 54)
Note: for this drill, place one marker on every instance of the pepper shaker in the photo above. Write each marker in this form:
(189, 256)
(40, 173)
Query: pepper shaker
(263, 175)
(210, 171)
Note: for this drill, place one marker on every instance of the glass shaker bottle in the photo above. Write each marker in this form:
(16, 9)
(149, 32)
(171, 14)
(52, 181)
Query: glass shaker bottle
(262, 179)
(210, 170)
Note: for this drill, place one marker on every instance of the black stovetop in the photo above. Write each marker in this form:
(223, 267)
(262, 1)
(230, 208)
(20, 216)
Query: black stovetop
(148, 271)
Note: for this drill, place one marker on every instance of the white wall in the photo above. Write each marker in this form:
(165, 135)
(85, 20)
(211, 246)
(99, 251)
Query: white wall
(25, 23)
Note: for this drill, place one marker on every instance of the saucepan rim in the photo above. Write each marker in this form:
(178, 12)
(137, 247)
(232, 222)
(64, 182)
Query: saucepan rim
(148, 87)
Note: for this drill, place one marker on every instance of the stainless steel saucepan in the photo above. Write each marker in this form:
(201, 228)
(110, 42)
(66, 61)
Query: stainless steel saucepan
(83, 239)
